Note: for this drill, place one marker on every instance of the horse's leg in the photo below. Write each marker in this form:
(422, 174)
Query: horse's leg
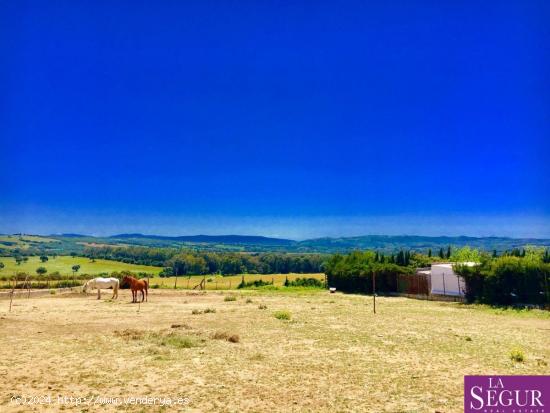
(134, 296)
(142, 296)
(146, 293)
(99, 293)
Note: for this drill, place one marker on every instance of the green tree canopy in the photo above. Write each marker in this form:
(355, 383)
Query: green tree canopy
(41, 271)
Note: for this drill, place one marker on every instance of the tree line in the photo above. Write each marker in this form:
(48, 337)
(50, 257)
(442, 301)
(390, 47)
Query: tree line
(519, 277)
(354, 272)
(190, 262)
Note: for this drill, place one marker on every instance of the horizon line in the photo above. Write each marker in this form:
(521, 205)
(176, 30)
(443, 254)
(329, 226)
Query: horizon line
(263, 236)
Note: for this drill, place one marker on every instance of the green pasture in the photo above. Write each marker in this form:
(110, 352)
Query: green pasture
(64, 264)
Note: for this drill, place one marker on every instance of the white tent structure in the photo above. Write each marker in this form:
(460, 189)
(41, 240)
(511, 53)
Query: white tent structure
(444, 281)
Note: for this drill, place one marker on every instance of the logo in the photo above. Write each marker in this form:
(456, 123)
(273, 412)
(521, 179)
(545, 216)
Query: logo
(507, 394)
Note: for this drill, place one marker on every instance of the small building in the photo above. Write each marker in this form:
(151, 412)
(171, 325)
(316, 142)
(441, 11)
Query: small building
(444, 281)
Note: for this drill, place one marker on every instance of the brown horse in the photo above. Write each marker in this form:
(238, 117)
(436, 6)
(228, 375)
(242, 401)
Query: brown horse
(137, 285)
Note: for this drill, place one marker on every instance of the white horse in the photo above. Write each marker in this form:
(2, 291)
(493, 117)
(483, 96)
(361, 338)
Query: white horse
(100, 283)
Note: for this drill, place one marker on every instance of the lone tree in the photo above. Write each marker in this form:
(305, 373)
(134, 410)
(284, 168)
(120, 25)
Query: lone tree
(41, 271)
(75, 269)
(43, 258)
(18, 260)
(1, 265)
(448, 252)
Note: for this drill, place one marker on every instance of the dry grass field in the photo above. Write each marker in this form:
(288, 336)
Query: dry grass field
(332, 355)
(227, 282)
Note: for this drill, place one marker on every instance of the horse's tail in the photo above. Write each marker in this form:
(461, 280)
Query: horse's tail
(146, 284)
(115, 288)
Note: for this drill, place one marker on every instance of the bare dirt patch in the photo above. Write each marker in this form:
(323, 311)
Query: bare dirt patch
(332, 355)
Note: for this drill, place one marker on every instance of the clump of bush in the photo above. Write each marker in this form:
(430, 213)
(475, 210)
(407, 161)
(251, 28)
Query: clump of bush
(130, 334)
(184, 325)
(262, 307)
(304, 282)
(517, 355)
(230, 298)
(353, 272)
(179, 341)
(507, 280)
(282, 315)
(249, 300)
(194, 311)
(222, 335)
(209, 310)
(254, 284)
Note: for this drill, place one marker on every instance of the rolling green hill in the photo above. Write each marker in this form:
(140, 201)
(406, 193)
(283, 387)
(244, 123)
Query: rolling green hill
(11, 245)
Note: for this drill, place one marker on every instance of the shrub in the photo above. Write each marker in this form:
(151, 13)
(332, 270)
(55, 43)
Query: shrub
(195, 311)
(282, 315)
(517, 355)
(353, 273)
(262, 307)
(209, 310)
(222, 335)
(254, 284)
(304, 282)
(248, 300)
(230, 298)
(507, 280)
(166, 272)
(178, 341)
(184, 325)
(130, 334)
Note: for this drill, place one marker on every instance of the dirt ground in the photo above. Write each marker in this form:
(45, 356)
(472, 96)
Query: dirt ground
(333, 355)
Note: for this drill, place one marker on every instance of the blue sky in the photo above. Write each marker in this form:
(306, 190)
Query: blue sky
(296, 119)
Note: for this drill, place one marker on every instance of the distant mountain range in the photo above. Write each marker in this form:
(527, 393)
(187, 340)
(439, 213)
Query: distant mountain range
(252, 243)
(211, 239)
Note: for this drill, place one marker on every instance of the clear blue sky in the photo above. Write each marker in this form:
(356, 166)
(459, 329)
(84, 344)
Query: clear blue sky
(294, 119)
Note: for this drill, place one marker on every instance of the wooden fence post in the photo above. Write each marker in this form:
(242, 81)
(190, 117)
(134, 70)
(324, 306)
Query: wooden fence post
(374, 291)
(13, 290)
